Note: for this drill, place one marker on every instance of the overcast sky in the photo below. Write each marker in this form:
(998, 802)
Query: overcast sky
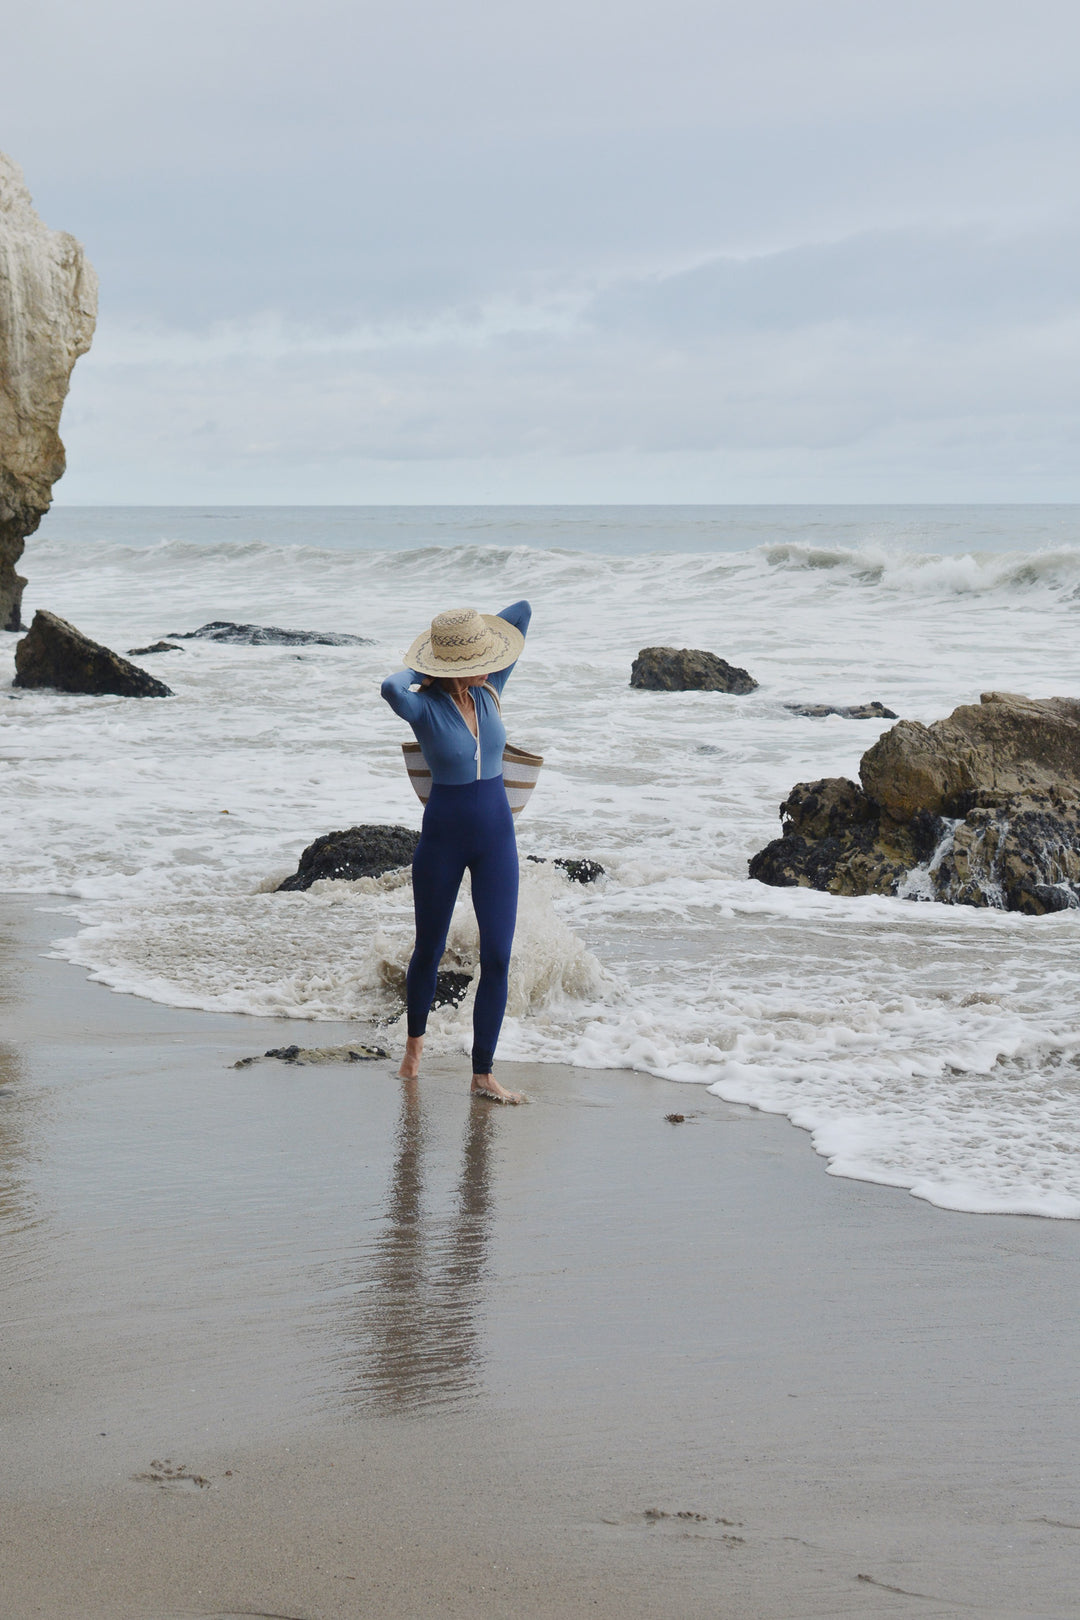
(577, 250)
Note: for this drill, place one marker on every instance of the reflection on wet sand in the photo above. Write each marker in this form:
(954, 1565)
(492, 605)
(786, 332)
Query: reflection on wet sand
(417, 1342)
(15, 1205)
(17, 1210)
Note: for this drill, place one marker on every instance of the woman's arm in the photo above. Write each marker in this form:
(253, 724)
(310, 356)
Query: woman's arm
(395, 690)
(518, 614)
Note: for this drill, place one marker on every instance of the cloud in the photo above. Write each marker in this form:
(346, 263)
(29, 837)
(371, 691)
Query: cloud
(899, 348)
(910, 279)
(674, 247)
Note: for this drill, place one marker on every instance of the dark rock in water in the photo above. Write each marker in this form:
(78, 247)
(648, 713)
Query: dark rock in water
(1021, 854)
(982, 809)
(671, 669)
(158, 646)
(268, 635)
(578, 871)
(366, 851)
(854, 711)
(836, 839)
(583, 871)
(450, 988)
(54, 654)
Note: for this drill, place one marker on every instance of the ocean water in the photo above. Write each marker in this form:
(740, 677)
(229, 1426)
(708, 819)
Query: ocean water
(928, 1047)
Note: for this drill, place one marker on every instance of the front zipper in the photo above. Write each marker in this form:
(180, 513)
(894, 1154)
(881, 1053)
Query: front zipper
(476, 712)
(465, 723)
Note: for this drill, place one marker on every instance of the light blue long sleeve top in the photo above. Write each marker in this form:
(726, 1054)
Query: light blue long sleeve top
(454, 756)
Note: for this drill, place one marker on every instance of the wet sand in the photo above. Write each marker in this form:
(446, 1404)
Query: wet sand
(303, 1341)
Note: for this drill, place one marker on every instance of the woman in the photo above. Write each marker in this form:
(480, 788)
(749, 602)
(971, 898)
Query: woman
(467, 822)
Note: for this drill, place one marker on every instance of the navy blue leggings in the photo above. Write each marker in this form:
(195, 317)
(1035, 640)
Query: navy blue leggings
(472, 827)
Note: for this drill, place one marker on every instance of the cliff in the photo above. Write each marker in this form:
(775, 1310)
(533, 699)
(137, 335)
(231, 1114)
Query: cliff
(48, 306)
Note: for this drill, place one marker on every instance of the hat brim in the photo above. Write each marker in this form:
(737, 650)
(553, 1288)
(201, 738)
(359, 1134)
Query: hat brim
(504, 647)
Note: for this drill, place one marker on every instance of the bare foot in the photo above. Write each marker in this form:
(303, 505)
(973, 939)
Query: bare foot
(410, 1063)
(486, 1085)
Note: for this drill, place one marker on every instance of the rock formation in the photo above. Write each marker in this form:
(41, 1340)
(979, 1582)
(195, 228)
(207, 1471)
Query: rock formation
(366, 851)
(849, 711)
(671, 669)
(56, 655)
(48, 305)
(980, 809)
(1002, 745)
(267, 635)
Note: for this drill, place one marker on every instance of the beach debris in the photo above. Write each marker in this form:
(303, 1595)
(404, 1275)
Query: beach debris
(675, 1119)
(155, 647)
(655, 1515)
(54, 654)
(172, 1476)
(365, 851)
(979, 809)
(301, 1056)
(48, 307)
(900, 1591)
(577, 870)
(671, 669)
(853, 711)
(268, 635)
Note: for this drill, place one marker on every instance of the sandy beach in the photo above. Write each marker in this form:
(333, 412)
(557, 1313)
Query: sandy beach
(298, 1341)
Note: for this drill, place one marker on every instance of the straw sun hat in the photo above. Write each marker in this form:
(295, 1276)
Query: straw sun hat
(464, 642)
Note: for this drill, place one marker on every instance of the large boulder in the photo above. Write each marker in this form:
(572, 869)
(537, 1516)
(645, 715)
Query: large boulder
(672, 669)
(55, 654)
(981, 809)
(1003, 744)
(48, 306)
(366, 851)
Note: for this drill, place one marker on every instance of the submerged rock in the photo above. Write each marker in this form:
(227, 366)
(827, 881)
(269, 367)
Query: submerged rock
(365, 851)
(267, 635)
(671, 669)
(577, 870)
(980, 809)
(156, 647)
(853, 711)
(580, 871)
(48, 306)
(451, 988)
(55, 654)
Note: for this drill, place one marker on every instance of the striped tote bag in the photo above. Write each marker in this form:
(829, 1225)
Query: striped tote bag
(520, 771)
